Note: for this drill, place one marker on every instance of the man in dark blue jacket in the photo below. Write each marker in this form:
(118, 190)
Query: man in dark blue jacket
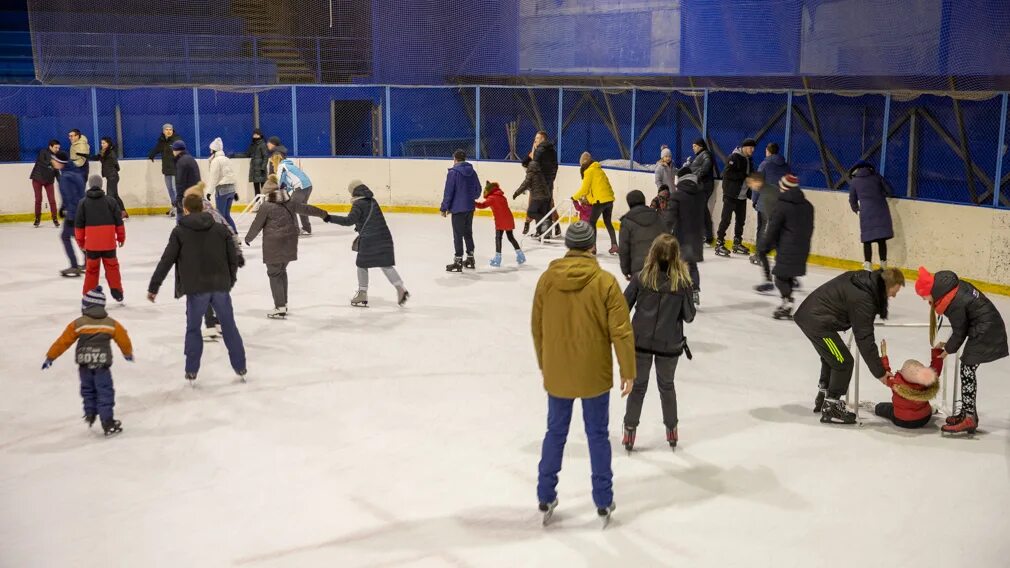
(71, 192)
(462, 187)
(187, 174)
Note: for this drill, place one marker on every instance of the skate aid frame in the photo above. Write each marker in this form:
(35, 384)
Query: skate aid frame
(568, 212)
(947, 396)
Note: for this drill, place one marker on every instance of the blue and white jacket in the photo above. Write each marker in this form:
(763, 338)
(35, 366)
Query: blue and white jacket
(291, 177)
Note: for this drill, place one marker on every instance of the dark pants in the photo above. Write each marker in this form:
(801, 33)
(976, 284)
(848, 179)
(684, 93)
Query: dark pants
(666, 367)
(93, 263)
(67, 236)
(708, 214)
(886, 410)
(38, 186)
(112, 190)
(462, 231)
(762, 224)
(537, 210)
(731, 207)
(511, 237)
(606, 210)
(223, 205)
(302, 196)
(97, 392)
(196, 307)
(881, 249)
(766, 266)
(692, 269)
(836, 363)
(785, 286)
(257, 187)
(278, 275)
(210, 318)
(596, 416)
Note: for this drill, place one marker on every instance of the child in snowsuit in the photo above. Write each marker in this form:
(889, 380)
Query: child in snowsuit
(92, 333)
(504, 222)
(584, 209)
(99, 229)
(912, 387)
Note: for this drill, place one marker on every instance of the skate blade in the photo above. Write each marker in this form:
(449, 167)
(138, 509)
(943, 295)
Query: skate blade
(606, 522)
(277, 316)
(359, 304)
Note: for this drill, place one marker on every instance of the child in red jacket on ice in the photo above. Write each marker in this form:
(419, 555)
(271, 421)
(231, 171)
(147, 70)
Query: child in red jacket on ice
(584, 208)
(912, 388)
(504, 223)
(98, 228)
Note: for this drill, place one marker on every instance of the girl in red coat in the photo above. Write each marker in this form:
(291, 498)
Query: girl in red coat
(912, 388)
(504, 223)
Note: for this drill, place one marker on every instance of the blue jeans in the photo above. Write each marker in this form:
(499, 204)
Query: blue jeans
(223, 205)
(97, 392)
(596, 415)
(196, 307)
(67, 236)
(170, 186)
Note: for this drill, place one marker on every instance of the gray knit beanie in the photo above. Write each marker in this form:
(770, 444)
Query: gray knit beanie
(580, 236)
(94, 180)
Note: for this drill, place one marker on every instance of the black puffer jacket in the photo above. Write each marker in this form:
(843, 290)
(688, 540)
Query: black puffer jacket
(851, 300)
(375, 247)
(43, 170)
(738, 167)
(258, 157)
(973, 317)
(687, 210)
(535, 183)
(109, 161)
(547, 156)
(164, 147)
(789, 232)
(639, 227)
(203, 254)
(659, 317)
(187, 174)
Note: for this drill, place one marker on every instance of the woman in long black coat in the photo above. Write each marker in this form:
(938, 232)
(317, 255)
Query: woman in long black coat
(973, 318)
(687, 212)
(258, 158)
(374, 243)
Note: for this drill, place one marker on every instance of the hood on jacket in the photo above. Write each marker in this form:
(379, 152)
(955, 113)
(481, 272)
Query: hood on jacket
(95, 193)
(943, 282)
(217, 145)
(575, 270)
(862, 169)
(361, 192)
(278, 196)
(464, 168)
(95, 311)
(776, 159)
(872, 282)
(688, 183)
(642, 215)
(281, 149)
(583, 168)
(181, 154)
(201, 221)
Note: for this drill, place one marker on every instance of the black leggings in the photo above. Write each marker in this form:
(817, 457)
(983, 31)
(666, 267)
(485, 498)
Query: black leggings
(257, 187)
(785, 286)
(607, 211)
(112, 190)
(881, 248)
(511, 237)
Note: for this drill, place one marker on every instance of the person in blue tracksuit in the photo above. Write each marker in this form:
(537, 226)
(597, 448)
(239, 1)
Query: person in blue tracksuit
(462, 188)
(71, 192)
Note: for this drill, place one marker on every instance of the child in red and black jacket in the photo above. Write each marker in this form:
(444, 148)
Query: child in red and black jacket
(504, 222)
(912, 388)
(98, 228)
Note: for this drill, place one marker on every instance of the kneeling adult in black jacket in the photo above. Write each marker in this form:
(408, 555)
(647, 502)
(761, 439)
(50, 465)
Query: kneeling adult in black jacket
(850, 300)
(973, 318)
(661, 296)
(789, 232)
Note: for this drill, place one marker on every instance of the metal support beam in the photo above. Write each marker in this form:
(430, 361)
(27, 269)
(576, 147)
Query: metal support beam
(704, 119)
(876, 145)
(998, 191)
(652, 121)
(571, 114)
(389, 140)
(713, 146)
(294, 119)
(979, 174)
(818, 139)
(809, 127)
(883, 142)
(256, 110)
(561, 106)
(631, 155)
(913, 155)
(613, 125)
(94, 118)
(769, 125)
(969, 174)
(196, 123)
(789, 123)
(119, 131)
(476, 123)
(537, 118)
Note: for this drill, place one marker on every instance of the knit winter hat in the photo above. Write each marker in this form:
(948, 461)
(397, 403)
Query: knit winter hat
(355, 183)
(167, 126)
(789, 181)
(94, 180)
(94, 298)
(274, 140)
(700, 142)
(580, 236)
(217, 145)
(924, 284)
(635, 197)
(749, 142)
(178, 145)
(666, 153)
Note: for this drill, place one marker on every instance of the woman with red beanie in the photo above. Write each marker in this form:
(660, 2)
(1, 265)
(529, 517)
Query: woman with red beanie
(973, 318)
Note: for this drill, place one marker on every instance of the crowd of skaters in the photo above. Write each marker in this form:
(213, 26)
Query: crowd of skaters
(659, 249)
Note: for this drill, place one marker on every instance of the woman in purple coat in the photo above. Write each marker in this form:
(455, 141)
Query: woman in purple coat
(868, 192)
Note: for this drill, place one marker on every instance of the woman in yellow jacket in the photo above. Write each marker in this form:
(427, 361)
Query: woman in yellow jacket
(597, 191)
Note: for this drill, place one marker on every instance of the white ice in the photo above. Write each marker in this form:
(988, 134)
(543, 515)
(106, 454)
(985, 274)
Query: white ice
(410, 437)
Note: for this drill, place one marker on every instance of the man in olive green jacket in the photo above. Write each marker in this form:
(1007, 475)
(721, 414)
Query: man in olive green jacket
(578, 313)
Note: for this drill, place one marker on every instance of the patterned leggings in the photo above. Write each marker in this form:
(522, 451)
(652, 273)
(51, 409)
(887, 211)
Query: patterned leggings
(968, 388)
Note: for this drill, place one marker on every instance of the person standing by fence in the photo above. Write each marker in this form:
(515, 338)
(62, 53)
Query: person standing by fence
(868, 193)
(701, 166)
(163, 147)
(259, 159)
(110, 171)
(80, 150)
(43, 175)
(734, 197)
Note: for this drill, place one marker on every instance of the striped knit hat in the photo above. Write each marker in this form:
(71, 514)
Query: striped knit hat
(789, 182)
(94, 298)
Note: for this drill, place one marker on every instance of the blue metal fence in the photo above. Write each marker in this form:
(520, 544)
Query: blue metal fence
(928, 147)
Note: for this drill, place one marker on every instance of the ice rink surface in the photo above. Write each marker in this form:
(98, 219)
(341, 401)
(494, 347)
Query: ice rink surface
(410, 437)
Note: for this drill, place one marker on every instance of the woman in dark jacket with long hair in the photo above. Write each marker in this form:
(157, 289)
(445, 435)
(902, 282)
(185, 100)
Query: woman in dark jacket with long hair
(868, 193)
(374, 243)
(661, 297)
(259, 157)
(109, 159)
(43, 176)
(975, 323)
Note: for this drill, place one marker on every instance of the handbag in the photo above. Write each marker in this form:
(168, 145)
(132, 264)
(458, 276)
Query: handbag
(357, 240)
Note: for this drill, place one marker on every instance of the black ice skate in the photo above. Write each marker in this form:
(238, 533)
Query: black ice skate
(738, 248)
(764, 288)
(36, 222)
(605, 514)
(456, 266)
(117, 294)
(470, 263)
(819, 400)
(720, 248)
(191, 379)
(548, 510)
(629, 438)
(72, 272)
(785, 311)
(672, 437)
(755, 259)
(89, 419)
(696, 297)
(112, 427)
(834, 412)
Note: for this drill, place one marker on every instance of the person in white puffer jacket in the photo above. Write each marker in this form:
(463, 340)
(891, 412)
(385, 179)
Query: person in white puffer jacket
(221, 181)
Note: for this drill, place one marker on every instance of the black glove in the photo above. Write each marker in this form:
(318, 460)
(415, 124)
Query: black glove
(241, 261)
(236, 197)
(327, 219)
(63, 212)
(516, 194)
